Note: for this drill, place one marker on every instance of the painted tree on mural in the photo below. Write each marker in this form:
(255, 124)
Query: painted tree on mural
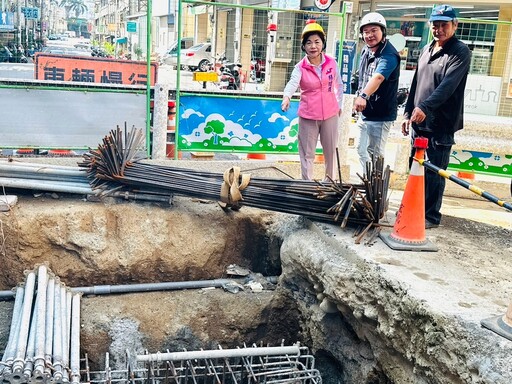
(216, 128)
(294, 130)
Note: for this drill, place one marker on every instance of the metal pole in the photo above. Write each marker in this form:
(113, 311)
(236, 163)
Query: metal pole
(149, 287)
(42, 284)
(148, 75)
(18, 364)
(65, 331)
(75, 339)
(221, 353)
(50, 301)
(31, 345)
(465, 184)
(52, 186)
(57, 334)
(10, 349)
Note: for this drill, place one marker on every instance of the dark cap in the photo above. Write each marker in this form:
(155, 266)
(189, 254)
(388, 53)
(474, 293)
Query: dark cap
(442, 13)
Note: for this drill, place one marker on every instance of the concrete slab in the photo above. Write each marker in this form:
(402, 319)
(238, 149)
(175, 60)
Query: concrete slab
(418, 313)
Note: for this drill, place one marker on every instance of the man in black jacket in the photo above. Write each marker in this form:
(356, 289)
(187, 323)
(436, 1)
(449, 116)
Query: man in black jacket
(435, 106)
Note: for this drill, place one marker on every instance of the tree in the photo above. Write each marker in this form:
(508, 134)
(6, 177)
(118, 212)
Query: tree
(76, 6)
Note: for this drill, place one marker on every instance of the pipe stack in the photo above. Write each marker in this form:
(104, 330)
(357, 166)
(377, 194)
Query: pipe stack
(58, 178)
(44, 338)
(43, 177)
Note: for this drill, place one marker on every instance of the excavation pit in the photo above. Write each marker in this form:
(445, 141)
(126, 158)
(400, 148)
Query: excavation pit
(367, 314)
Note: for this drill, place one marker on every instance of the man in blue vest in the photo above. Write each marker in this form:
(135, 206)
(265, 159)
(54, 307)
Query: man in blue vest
(376, 99)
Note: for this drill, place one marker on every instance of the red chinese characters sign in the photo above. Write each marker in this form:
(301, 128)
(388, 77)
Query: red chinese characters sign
(92, 70)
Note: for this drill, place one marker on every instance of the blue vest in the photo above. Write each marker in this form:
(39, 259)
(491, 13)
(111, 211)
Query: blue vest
(382, 105)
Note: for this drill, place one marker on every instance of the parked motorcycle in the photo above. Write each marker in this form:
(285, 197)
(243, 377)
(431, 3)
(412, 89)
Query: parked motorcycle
(12, 55)
(99, 52)
(230, 74)
(257, 70)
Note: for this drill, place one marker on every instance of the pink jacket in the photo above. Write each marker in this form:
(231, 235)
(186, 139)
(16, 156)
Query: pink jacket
(318, 99)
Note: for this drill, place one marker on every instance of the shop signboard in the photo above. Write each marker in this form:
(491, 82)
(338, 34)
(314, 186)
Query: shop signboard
(92, 70)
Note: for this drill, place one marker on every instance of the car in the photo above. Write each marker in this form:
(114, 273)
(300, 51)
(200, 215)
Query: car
(170, 57)
(199, 57)
(71, 51)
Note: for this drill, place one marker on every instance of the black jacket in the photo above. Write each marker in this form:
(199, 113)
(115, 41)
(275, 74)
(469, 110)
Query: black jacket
(438, 90)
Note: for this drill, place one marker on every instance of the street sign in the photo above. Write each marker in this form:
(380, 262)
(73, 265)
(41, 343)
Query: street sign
(30, 13)
(131, 26)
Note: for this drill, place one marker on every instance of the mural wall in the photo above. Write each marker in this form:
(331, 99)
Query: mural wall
(234, 124)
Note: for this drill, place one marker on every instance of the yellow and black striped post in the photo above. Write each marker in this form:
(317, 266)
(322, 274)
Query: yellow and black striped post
(473, 188)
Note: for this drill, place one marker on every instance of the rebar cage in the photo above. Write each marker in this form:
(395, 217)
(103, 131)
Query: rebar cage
(284, 364)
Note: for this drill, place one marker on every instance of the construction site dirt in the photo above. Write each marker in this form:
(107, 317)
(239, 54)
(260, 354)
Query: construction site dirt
(369, 314)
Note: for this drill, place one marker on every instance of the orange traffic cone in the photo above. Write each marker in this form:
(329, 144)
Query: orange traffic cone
(25, 151)
(466, 175)
(502, 325)
(60, 152)
(256, 156)
(319, 158)
(409, 229)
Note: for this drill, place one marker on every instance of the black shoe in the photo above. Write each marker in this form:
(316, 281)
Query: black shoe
(429, 225)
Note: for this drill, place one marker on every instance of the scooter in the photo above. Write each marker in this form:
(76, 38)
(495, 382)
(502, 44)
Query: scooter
(230, 76)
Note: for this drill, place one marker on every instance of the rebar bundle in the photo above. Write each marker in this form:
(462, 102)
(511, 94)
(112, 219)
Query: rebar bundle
(116, 166)
(44, 339)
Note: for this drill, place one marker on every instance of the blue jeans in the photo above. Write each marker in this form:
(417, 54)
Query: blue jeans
(372, 139)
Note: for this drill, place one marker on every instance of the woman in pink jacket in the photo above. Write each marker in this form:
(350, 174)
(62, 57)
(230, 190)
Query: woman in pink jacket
(321, 97)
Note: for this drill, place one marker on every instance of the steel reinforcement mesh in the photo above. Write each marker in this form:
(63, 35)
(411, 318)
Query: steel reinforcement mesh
(243, 365)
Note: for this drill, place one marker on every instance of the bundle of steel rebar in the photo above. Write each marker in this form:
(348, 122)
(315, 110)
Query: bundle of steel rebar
(116, 166)
(44, 338)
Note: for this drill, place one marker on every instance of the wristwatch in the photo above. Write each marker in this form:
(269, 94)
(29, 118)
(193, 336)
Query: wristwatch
(364, 96)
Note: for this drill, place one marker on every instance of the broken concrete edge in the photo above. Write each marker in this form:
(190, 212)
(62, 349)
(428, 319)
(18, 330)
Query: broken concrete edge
(412, 333)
